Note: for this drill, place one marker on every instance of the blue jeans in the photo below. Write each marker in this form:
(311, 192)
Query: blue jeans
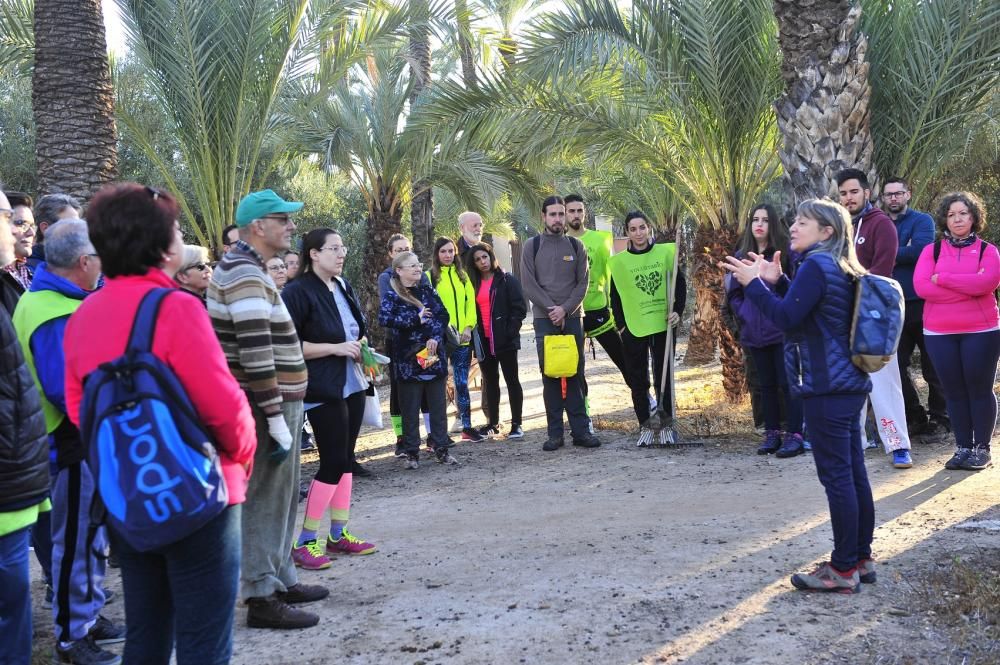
(835, 432)
(460, 359)
(966, 364)
(185, 591)
(579, 423)
(769, 361)
(15, 599)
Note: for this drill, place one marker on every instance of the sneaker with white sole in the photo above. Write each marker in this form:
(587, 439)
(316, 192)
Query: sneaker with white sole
(901, 459)
(515, 432)
(828, 578)
(105, 631)
(444, 457)
(411, 462)
(85, 652)
(310, 556)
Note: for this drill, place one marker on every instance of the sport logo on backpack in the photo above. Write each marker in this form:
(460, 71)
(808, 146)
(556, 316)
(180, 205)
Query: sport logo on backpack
(157, 471)
(877, 322)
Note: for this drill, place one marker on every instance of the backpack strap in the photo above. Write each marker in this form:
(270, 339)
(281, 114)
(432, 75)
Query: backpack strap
(144, 324)
(937, 250)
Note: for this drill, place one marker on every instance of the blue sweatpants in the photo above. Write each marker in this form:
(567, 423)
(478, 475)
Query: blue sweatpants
(15, 599)
(77, 570)
(966, 365)
(835, 432)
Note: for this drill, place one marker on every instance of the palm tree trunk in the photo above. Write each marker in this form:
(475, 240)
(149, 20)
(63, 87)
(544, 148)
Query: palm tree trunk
(823, 115)
(381, 225)
(465, 50)
(707, 331)
(422, 202)
(73, 100)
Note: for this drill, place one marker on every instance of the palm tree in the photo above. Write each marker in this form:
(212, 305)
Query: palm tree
(72, 97)
(422, 205)
(220, 69)
(934, 69)
(681, 89)
(360, 127)
(823, 113)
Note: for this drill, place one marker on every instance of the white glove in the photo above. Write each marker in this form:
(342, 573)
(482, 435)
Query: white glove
(278, 429)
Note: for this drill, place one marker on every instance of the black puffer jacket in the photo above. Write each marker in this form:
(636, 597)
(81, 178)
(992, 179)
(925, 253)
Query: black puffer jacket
(24, 448)
(507, 312)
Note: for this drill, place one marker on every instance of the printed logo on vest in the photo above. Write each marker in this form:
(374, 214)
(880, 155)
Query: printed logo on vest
(649, 282)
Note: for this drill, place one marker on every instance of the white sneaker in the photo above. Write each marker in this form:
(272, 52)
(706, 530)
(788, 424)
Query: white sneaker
(456, 426)
(645, 437)
(590, 426)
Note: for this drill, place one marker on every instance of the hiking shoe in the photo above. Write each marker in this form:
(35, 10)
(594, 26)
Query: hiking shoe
(47, 601)
(958, 459)
(444, 457)
(553, 443)
(828, 578)
(901, 459)
(515, 432)
(471, 434)
(274, 613)
(310, 556)
(86, 652)
(489, 431)
(866, 571)
(400, 448)
(791, 445)
(302, 593)
(105, 631)
(771, 443)
(348, 544)
(411, 462)
(977, 460)
(645, 437)
(589, 441)
(359, 471)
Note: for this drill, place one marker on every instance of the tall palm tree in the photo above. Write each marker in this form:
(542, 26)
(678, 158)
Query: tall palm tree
(220, 69)
(422, 205)
(360, 126)
(72, 98)
(683, 89)
(823, 113)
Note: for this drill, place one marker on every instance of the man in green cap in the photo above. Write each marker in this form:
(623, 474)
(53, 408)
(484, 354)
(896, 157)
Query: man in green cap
(264, 354)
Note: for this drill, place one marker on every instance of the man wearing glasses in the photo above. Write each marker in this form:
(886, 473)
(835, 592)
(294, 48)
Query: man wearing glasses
(22, 224)
(915, 230)
(264, 354)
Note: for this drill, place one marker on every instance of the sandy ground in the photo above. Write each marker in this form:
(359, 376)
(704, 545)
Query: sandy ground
(621, 554)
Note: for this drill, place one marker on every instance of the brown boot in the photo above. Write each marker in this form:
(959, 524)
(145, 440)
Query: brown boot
(303, 593)
(271, 612)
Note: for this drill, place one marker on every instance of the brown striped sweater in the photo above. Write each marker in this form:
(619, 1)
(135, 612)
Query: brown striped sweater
(255, 330)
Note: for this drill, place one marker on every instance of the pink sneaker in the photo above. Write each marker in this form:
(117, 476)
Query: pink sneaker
(348, 544)
(310, 556)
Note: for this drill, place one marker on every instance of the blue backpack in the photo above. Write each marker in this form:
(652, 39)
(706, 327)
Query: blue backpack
(158, 475)
(877, 322)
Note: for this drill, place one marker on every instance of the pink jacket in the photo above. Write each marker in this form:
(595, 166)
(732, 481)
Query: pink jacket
(962, 300)
(98, 331)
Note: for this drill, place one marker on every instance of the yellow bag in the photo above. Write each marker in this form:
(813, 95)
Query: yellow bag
(561, 356)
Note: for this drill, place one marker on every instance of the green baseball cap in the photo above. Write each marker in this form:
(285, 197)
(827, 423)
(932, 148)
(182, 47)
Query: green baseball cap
(260, 204)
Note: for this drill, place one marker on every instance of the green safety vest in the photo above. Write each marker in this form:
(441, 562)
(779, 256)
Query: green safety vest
(34, 309)
(599, 245)
(641, 281)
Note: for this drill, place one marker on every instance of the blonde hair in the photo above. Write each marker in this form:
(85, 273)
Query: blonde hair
(841, 244)
(193, 255)
(397, 285)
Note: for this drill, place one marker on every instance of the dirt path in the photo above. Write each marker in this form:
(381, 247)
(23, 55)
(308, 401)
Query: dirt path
(621, 555)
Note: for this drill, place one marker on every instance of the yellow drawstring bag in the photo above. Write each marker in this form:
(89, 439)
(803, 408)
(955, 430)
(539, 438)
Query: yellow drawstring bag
(561, 356)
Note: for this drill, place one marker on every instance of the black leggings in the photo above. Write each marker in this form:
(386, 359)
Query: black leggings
(335, 427)
(490, 369)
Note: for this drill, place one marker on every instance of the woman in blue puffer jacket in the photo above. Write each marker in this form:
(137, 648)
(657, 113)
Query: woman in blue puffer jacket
(413, 314)
(766, 235)
(814, 311)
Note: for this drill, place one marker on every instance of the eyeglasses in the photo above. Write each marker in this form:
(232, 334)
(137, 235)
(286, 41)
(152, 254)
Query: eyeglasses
(21, 222)
(281, 219)
(419, 266)
(893, 195)
(336, 249)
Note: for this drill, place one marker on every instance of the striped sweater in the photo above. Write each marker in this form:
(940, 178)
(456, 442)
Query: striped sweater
(256, 332)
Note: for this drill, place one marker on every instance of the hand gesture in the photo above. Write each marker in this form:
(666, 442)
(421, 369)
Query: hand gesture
(432, 346)
(770, 271)
(743, 271)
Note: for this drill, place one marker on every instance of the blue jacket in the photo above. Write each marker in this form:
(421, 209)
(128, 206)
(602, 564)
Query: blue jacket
(407, 335)
(915, 230)
(815, 314)
(756, 330)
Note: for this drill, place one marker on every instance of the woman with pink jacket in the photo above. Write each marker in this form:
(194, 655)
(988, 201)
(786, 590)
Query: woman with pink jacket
(957, 276)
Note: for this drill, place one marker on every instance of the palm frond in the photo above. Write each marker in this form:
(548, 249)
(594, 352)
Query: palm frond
(17, 36)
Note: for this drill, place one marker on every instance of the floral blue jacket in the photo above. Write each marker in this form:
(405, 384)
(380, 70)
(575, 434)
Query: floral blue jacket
(407, 335)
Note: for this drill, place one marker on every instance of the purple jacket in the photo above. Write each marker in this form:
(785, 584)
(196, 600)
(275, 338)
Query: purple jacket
(756, 330)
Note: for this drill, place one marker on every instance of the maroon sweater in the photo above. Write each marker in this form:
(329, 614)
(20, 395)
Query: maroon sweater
(876, 242)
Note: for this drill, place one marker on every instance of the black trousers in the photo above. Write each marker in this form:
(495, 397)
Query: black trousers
(912, 337)
(637, 353)
(335, 426)
(610, 341)
(490, 368)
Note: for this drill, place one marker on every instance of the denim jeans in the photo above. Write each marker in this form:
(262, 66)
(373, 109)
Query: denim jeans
(838, 452)
(460, 359)
(15, 599)
(552, 388)
(185, 592)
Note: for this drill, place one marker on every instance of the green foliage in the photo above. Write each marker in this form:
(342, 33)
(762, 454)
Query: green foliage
(934, 67)
(17, 135)
(17, 37)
